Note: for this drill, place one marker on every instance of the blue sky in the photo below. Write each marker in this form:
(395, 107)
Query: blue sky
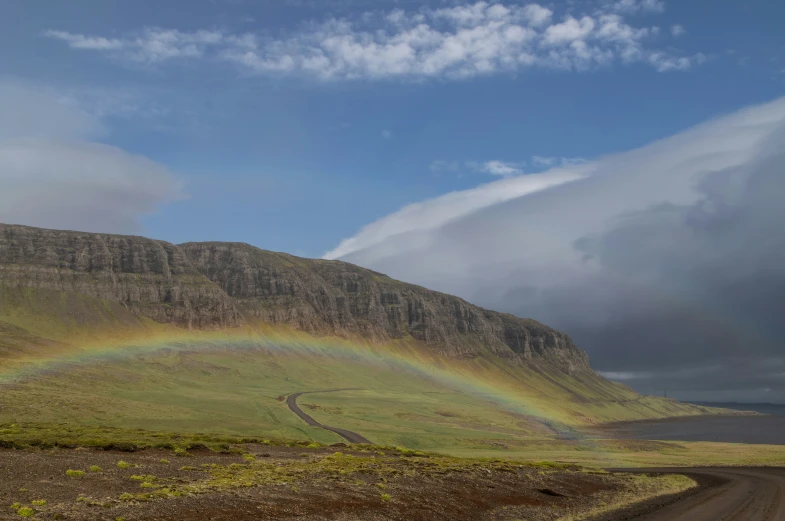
(297, 159)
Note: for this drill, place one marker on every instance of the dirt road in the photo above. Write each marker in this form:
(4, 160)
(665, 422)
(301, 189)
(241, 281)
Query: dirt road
(725, 494)
(351, 437)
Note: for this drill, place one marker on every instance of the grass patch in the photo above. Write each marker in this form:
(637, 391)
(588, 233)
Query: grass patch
(240, 391)
(640, 488)
(74, 473)
(148, 477)
(61, 435)
(337, 467)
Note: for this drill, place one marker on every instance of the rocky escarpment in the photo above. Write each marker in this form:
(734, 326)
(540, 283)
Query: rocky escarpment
(219, 285)
(339, 298)
(151, 278)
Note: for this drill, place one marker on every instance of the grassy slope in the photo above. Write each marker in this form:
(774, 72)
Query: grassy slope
(239, 391)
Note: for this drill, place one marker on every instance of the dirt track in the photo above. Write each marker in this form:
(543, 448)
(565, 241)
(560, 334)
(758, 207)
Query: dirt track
(725, 494)
(351, 437)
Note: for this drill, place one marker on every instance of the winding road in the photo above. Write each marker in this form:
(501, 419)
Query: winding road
(723, 494)
(351, 437)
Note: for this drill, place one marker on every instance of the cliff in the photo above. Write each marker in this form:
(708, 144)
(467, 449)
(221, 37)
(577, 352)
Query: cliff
(150, 278)
(339, 298)
(220, 285)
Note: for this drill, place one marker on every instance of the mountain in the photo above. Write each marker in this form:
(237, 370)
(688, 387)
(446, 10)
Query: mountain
(221, 285)
(428, 368)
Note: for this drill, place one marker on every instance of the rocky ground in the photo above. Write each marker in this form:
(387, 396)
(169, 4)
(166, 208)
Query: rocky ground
(268, 482)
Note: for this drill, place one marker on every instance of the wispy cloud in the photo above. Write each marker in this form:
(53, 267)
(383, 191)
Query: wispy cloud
(550, 161)
(493, 167)
(501, 168)
(677, 30)
(638, 6)
(80, 41)
(387, 134)
(504, 168)
(456, 42)
(441, 165)
(151, 45)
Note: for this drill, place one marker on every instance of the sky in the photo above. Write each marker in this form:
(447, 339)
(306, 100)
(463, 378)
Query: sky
(609, 167)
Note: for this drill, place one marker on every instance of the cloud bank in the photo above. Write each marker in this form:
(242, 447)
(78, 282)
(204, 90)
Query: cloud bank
(54, 175)
(467, 40)
(666, 263)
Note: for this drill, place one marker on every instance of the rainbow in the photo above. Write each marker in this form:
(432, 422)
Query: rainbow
(398, 356)
(503, 393)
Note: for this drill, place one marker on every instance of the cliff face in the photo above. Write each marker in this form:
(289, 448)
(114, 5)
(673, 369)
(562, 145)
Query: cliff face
(340, 298)
(217, 285)
(150, 278)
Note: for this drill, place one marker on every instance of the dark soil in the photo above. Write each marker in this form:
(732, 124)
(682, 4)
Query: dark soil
(476, 492)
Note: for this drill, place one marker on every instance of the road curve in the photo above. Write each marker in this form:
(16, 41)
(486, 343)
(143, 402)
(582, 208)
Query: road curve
(723, 494)
(351, 437)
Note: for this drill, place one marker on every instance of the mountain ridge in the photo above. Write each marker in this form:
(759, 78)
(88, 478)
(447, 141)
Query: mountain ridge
(216, 285)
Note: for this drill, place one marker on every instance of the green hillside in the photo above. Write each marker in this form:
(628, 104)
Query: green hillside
(56, 371)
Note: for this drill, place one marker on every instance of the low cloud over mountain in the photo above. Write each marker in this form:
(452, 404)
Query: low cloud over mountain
(666, 263)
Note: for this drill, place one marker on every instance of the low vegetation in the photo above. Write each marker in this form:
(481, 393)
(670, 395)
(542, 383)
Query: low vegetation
(537, 451)
(376, 477)
(639, 488)
(66, 435)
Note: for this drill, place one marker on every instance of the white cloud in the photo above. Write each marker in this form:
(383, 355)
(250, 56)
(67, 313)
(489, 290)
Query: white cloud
(548, 161)
(656, 179)
(151, 45)
(638, 6)
(543, 161)
(420, 217)
(666, 63)
(570, 30)
(456, 42)
(80, 41)
(51, 176)
(501, 168)
(536, 14)
(677, 30)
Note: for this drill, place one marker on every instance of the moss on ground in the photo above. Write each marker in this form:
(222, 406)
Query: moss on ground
(639, 488)
(377, 465)
(62, 435)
